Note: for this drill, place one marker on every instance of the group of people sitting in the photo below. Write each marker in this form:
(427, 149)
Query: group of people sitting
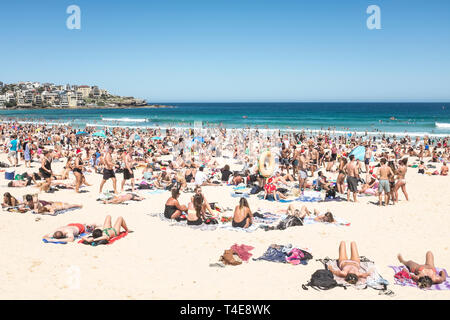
(39, 206)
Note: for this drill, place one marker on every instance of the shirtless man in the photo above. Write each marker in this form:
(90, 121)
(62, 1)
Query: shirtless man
(444, 169)
(295, 161)
(349, 269)
(367, 157)
(69, 233)
(123, 198)
(352, 178)
(128, 170)
(314, 154)
(284, 158)
(383, 173)
(401, 183)
(108, 171)
(302, 174)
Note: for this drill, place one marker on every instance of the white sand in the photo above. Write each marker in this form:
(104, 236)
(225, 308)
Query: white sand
(159, 261)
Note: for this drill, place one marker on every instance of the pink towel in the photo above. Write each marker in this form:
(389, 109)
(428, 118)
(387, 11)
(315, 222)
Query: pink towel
(242, 251)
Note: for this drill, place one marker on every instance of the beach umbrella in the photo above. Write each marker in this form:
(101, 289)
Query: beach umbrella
(199, 139)
(82, 133)
(137, 137)
(359, 153)
(156, 138)
(100, 134)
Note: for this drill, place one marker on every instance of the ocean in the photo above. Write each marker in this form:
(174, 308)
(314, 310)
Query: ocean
(391, 118)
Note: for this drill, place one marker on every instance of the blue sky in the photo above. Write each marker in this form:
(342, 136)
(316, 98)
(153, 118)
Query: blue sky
(233, 50)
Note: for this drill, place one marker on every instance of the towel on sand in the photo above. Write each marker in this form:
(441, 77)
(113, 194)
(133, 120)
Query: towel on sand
(56, 212)
(242, 251)
(410, 283)
(113, 239)
(62, 242)
(374, 281)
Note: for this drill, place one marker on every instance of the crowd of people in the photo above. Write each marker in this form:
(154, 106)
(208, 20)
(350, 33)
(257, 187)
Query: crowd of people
(185, 161)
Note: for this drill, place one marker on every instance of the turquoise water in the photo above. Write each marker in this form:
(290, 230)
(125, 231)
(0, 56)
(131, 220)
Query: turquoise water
(411, 118)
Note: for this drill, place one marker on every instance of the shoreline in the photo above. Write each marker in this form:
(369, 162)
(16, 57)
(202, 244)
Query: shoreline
(203, 129)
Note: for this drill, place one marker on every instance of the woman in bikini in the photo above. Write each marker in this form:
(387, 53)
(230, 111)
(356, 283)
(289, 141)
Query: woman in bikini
(401, 183)
(108, 230)
(340, 180)
(173, 209)
(46, 171)
(350, 269)
(50, 208)
(9, 200)
(78, 173)
(243, 217)
(124, 197)
(425, 274)
(196, 212)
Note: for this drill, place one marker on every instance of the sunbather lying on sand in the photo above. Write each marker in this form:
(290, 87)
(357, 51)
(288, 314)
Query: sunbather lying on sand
(124, 197)
(349, 269)
(69, 233)
(51, 207)
(424, 274)
(108, 231)
(9, 200)
(303, 212)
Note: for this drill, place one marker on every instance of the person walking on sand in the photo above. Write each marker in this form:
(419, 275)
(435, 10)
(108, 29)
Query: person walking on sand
(367, 157)
(128, 173)
(352, 178)
(401, 183)
(108, 171)
(383, 173)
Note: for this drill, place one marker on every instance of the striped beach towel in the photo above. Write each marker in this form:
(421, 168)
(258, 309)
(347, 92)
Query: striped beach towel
(410, 283)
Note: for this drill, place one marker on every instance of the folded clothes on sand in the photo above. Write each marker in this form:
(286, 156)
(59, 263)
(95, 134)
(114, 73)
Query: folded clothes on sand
(286, 254)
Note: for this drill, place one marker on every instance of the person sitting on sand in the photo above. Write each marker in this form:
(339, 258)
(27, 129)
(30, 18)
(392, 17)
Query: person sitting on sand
(444, 169)
(205, 203)
(51, 207)
(350, 269)
(69, 233)
(421, 168)
(196, 212)
(271, 193)
(425, 274)
(9, 200)
(370, 185)
(108, 230)
(322, 182)
(123, 198)
(173, 209)
(243, 217)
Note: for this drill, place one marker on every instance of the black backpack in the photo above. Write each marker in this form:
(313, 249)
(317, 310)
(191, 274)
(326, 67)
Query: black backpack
(322, 279)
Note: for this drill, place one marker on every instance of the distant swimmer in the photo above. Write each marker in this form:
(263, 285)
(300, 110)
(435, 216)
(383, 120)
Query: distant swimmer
(245, 117)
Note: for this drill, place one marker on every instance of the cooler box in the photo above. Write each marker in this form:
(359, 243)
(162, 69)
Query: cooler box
(9, 175)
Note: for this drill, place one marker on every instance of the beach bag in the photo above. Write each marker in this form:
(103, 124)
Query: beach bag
(10, 175)
(331, 193)
(19, 177)
(322, 279)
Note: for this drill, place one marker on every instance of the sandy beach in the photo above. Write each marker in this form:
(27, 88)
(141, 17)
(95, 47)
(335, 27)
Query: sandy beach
(160, 261)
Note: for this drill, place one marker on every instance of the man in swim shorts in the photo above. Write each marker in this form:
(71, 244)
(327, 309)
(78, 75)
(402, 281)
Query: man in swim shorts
(108, 171)
(383, 173)
(69, 233)
(352, 178)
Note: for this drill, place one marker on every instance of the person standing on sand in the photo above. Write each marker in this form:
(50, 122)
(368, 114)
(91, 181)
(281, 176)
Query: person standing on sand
(128, 170)
(383, 173)
(367, 156)
(352, 178)
(302, 173)
(108, 171)
(401, 183)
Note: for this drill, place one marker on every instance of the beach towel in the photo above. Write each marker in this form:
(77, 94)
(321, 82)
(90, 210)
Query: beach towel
(240, 195)
(63, 242)
(242, 251)
(183, 223)
(374, 281)
(153, 192)
(56, 212)
(339, 221)
(403, 281)
(111, 240)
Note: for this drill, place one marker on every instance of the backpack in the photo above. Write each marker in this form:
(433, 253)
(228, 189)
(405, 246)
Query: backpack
(331, 193)
(322, 279)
